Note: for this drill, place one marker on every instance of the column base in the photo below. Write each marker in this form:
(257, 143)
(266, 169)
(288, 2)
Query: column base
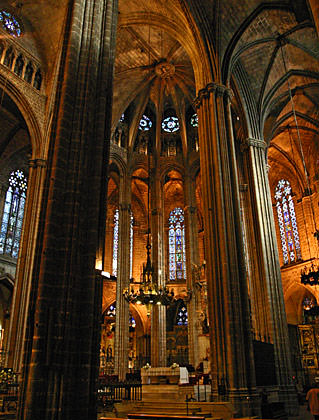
(246, 403)
(288, 395)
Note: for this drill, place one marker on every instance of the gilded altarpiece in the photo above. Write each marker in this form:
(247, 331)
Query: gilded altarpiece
(309, 343)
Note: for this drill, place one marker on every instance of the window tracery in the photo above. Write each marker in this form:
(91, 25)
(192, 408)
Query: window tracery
(10, 23)
(194, 120)
(13, 212)
(176, 240)
(288, 228)
(145, 123)
(170, 124)
(116, 242)
(182, 316)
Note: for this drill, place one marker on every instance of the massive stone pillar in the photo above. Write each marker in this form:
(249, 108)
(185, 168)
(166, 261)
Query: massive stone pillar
(232, 366)
(20, 301)
(121, 345)
(271, 316)
(193, 263)
(158, 320)
(62, 338)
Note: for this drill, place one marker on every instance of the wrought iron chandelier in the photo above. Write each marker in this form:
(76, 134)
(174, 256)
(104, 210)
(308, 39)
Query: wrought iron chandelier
(149, 293)
(309, 275)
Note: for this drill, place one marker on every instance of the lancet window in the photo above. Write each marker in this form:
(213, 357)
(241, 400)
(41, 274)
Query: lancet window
(176, 240)
(12, 218)
(116, 242)
(288, 228)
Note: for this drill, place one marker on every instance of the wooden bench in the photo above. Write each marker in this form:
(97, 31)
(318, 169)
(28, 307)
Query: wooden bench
(163, 417)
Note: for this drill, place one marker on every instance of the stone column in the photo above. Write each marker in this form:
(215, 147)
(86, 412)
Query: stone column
(192, 259)
(270, 286)
(122, 306)
(23, 280)
(158, 320)
(62, 338)
(232, 364)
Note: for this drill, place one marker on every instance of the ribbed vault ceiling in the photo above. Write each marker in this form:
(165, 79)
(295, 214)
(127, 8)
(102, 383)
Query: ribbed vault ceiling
(263, 46)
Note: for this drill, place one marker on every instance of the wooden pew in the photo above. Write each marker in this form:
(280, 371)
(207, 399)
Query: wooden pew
(139, 416)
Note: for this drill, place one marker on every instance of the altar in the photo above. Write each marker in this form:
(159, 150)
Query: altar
(165, 384)
(164, 375)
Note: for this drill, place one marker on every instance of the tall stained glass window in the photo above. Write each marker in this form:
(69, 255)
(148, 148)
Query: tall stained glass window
(287, 222)
(116, 242)
(176, 240)
(131, 245)
(12, 219)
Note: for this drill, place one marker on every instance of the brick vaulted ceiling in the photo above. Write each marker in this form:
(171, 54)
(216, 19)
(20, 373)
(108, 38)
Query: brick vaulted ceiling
(265, 49)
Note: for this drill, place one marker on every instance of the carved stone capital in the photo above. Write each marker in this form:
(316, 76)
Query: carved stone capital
(125, 207)
(37, 163)
(215, 88)
(243, 187)
(190, 209)
(251, 142)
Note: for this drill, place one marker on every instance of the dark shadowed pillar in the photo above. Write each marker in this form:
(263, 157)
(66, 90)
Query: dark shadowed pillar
(62, 338)
(267, 282)
(230, 328)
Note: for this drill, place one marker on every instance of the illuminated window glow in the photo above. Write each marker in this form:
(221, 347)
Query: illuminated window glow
(145, 123)
(176, 240)
(10, 23)
(11, 226)
(289, 235)
(170, 124)
(194, 120)
(182, 316)
(111, 312)
(116, 243)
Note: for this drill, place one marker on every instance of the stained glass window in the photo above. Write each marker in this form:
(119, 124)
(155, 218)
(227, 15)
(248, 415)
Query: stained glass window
(182, 316)
(308, 303)
(176, 240)
(115, 241)
(10, 23)
(287, 222)
(194, 120)
(131, 245)
(111, 312)
(170, 124)
(132, 322)
(145, 123)
(12, 219)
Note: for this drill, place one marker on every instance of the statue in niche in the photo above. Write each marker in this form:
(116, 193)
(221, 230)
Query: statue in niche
(120, 135)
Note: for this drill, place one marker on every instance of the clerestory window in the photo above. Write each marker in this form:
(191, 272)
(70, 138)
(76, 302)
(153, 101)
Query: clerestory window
(13, 212)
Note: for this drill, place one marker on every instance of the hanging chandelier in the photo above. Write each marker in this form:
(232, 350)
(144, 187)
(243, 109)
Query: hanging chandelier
(310, 275)
(149, 293)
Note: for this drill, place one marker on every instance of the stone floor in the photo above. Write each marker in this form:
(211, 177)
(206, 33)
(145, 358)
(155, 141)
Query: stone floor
(303, 414)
